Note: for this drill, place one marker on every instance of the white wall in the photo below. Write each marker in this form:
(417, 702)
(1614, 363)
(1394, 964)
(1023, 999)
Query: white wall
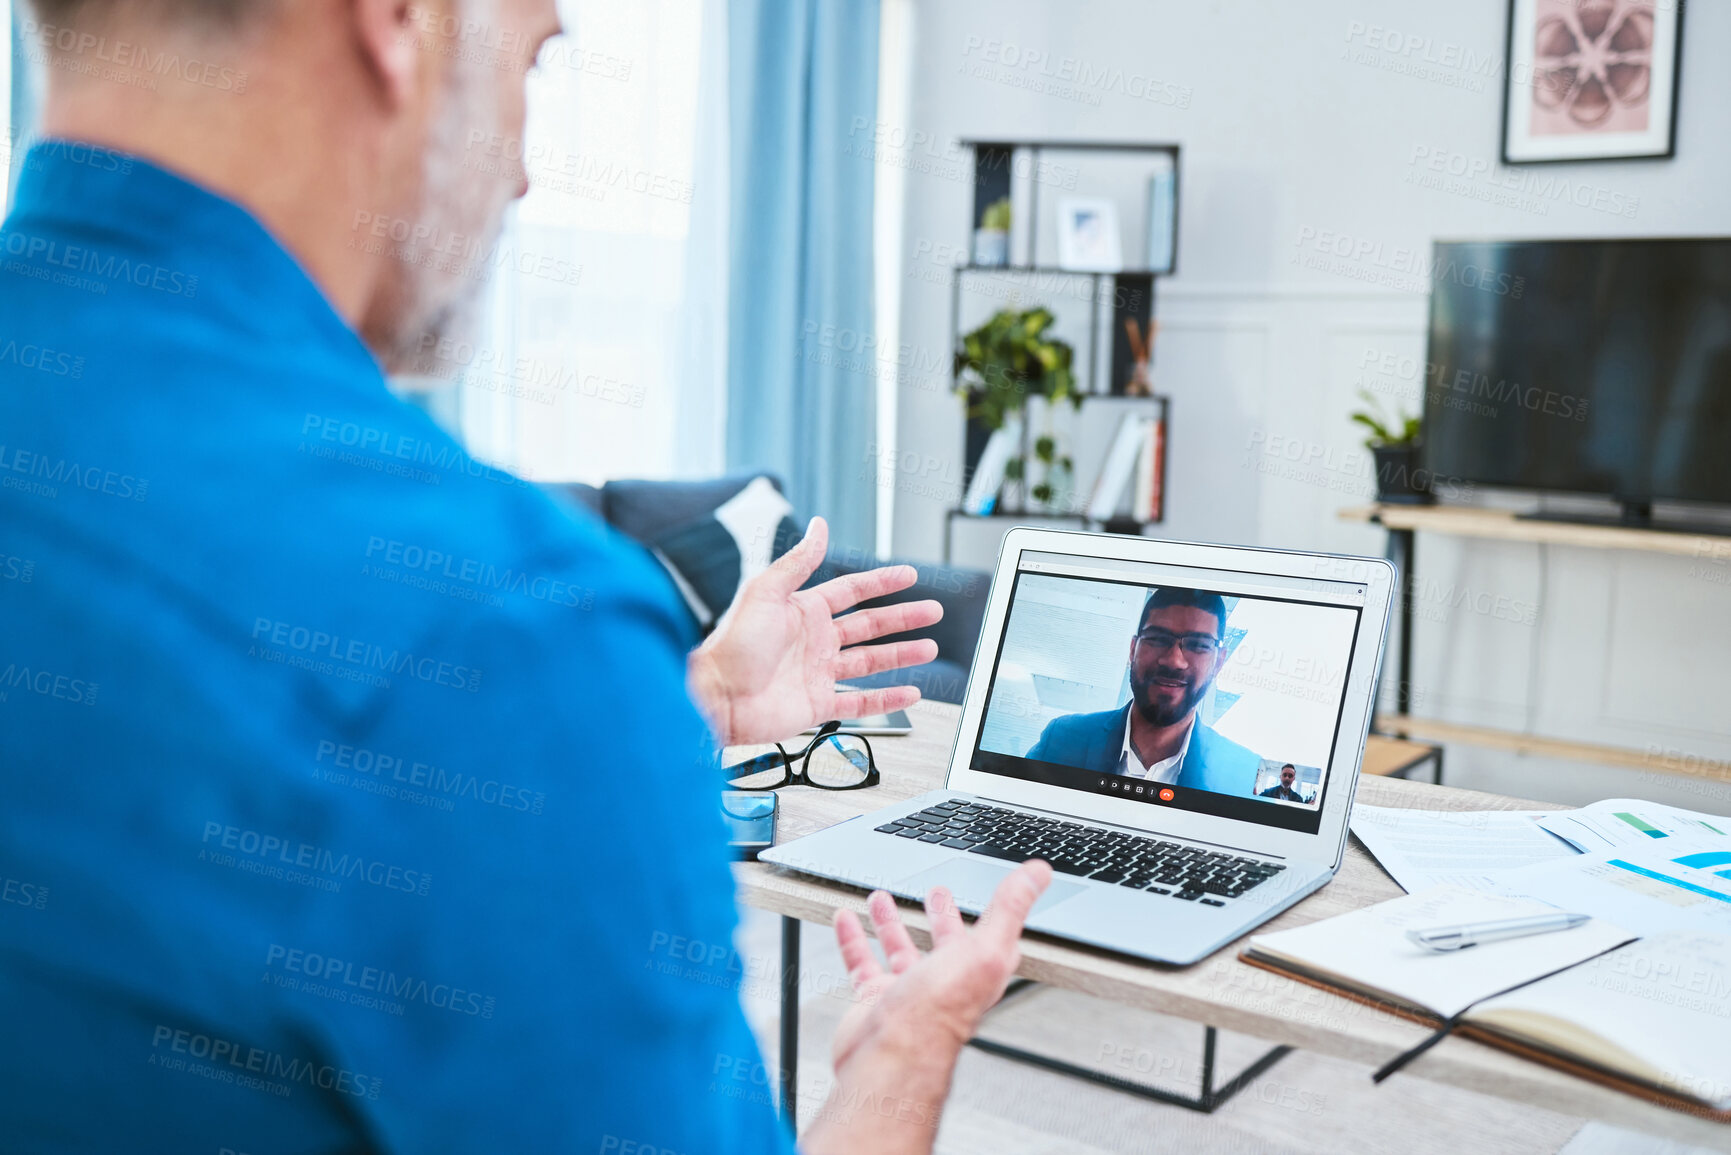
(1294, 125)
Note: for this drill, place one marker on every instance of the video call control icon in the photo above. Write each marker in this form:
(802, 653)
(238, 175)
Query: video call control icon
(1166, 793)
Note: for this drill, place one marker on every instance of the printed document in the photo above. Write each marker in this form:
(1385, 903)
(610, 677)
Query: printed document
(1425, 848)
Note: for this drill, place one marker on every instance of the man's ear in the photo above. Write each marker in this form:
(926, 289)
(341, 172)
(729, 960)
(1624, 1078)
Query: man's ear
(385, 37)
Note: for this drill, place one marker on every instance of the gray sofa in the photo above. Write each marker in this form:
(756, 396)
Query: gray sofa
(647, 511)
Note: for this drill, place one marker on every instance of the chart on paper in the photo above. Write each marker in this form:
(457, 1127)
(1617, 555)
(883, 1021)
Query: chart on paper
(1617, 823)
(1646, 891)
(1717, 862)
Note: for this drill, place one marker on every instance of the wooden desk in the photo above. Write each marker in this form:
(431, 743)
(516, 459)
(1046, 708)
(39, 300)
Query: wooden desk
(1219, 991)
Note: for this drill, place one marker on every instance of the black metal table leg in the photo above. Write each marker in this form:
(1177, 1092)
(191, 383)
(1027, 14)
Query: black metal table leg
(790, 1023)
(1217, 1096)
(1205, 1102)
(1207, 1065)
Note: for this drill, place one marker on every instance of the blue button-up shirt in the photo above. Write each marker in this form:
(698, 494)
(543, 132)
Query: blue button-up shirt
(350, 795)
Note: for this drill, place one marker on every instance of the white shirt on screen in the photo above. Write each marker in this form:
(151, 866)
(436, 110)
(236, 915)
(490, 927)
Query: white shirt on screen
(1167, 769)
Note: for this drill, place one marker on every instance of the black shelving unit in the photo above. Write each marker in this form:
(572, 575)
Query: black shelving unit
(1131, 292)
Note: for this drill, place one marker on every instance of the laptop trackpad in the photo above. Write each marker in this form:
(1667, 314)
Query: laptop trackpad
(972, 880)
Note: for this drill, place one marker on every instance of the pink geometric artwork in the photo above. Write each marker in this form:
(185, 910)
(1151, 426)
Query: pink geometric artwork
(1592, 67)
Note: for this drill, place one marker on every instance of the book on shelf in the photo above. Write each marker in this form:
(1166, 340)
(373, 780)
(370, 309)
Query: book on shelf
(1135, 463)
(1157, 504)
(1142, 496)
(1647, 1016)
(1119, 468)
(1146, 506)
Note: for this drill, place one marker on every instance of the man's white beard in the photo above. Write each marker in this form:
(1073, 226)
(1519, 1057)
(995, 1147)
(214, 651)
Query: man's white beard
(439, 289)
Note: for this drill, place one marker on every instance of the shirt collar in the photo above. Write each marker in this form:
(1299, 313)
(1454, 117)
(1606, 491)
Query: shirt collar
(1130, 758)
(121, 200)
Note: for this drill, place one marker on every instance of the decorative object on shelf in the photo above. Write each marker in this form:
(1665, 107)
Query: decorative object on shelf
(998, 368)
(1163, 215)
(1394, 443)
(1088, 235)
(1141, 383)
(1591, 80)
(992, 238)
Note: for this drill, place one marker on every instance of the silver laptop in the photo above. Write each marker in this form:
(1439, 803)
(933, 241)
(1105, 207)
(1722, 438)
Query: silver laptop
(1176, 727)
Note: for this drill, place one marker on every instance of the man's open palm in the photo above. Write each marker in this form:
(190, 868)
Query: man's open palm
(770, 668)
(898, 1043)
(940, 997)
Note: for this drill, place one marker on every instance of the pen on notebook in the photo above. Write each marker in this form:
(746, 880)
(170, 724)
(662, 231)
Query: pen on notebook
(1473, 933)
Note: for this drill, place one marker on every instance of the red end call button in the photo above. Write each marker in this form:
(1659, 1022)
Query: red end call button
(1166, 794)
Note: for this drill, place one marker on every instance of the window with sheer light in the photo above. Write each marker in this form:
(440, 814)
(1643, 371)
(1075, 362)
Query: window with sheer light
(602, 350)
(8, 131)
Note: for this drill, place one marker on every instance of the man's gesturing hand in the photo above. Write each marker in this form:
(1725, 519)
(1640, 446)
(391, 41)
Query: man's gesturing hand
(770, 668)
(896, 1048)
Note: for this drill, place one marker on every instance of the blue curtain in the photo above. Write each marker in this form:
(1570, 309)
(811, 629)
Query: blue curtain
(21, 99)
(802, 376)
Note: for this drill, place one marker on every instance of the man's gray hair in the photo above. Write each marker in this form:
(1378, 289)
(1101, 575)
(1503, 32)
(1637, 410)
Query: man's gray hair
(212, 13)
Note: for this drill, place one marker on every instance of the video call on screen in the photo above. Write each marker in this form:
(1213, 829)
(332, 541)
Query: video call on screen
(1222, 703)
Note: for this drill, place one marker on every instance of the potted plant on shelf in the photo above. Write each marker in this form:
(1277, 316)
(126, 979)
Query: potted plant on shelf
(1003, 363)
(1394, 444)
(992, 238)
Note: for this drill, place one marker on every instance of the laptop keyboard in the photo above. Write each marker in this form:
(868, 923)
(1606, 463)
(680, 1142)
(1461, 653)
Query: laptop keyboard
(1116, 856)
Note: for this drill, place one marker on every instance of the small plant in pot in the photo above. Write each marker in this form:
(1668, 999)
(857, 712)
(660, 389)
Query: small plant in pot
(1394, 443)
(1003, 363)
(992, 238)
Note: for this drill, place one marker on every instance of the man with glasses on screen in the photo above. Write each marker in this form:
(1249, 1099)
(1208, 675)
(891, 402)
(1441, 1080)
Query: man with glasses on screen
(1175, 655)
(353, 795)
(1286, 790)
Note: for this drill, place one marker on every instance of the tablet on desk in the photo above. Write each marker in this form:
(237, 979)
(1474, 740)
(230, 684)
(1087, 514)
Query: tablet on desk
(875, 725)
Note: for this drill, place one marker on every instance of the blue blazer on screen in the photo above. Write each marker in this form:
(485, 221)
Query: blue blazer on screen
(1096, 741)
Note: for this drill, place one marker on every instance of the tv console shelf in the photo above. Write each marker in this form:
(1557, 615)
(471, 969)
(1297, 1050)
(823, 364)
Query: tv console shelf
(1506, 525)
(1403, 523)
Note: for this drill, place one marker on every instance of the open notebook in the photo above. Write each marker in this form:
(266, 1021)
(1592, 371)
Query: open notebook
(1656, 1012)
(1652, 1015)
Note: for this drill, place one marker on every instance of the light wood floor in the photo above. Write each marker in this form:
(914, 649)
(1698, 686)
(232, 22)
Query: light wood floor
(1303, 1104)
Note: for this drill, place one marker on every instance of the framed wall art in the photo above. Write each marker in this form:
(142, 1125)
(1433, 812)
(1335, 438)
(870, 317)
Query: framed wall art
(1591, 80)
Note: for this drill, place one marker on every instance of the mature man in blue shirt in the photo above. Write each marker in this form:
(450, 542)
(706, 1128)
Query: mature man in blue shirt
(298, 853)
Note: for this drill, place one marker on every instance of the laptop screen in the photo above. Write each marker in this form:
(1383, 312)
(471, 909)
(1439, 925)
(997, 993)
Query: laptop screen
(1209, 690)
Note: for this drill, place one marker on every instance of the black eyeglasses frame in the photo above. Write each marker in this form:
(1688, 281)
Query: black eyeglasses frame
(791, 777)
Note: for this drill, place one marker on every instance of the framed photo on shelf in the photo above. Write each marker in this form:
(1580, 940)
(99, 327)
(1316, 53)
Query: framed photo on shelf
(1591, 80)
(1088, 235)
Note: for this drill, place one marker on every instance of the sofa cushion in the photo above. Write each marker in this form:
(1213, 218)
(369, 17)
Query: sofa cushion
(649, 510)
(712, 555)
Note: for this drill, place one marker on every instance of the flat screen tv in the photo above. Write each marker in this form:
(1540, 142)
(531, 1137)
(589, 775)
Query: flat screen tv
(1594, 367)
